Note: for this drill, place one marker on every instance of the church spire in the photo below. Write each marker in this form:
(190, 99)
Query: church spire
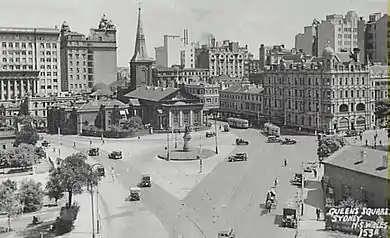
(140, 51)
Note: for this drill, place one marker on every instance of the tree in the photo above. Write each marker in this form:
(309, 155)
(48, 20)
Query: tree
(323, 151)
(27, 135)
(9, 201)
(24, 107)
(381, 109)
(72, 175)
(54, 189)
(115, 115)
(133, 123)
(23, 156)
(3, 121)
(39, 122)
(31, 195)
(71, 122)
(100, 118)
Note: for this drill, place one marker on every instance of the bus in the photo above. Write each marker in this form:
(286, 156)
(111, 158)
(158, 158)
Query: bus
(238, 123)
(271, 129)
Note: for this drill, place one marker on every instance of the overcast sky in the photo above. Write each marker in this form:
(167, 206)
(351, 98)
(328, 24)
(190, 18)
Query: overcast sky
(250, 22)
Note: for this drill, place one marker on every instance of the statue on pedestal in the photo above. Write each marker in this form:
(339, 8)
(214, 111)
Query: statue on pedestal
(187, 137)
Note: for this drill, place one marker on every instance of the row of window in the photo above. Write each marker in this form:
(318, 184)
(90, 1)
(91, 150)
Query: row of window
(48, 74)
(316, 94)
(315, 81)
(241, 97)
(77, 77)
(27, 45)
(17, 67)
(78, 70)
(77, 86)
(186, 117)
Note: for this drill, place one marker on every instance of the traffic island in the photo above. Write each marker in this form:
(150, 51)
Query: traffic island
(190, 155)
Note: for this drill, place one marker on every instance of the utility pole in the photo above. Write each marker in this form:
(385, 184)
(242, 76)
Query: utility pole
(92, 210)
(168, 145)
(216, 133)
(200, 155)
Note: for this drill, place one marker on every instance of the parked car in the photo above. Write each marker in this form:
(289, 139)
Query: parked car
(273, 139)
(240, 141)
(93, 152)
(210, 134)
(45, 143)
(115, 155)
(241, 156)
(145, 181)
(288, 141)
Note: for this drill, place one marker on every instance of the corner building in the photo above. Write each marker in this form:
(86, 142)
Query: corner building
(329, 94)
(30, 62)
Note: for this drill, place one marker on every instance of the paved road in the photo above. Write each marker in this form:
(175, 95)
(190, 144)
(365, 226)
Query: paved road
(165, 206)
(233, 195)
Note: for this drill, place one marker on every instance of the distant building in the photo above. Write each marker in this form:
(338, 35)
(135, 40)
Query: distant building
(380, 77)
(352, 172)
(166, 108)
(172, 77)
(242, 101)
(376, 47)
(269, 55)
(123, 73)
(342, 33)
(330, 93)
(208, 94)
(223, 58)
(7, 139)
(87, 61)
(30, 62)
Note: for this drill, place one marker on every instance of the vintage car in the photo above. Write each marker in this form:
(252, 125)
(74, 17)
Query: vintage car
(93, 152)
(240, 141)
(351, 133)
(310, 167)
(238, 157)
(289, 218)
(288, 141)
(226, 234)
(273, 139)
(270, 200)
(210, 134)
(45, 143)
(115, 155)
(226, 128)
(135, 194)
(145, 181)
(297, 179)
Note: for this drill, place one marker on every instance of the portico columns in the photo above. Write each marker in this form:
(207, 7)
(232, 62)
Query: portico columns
(15, 88)
(170, 119)
(181, 118)
(2, 90)
(28, 87)
(201, 117)
(191, 118)
(22, 88)
(8, 89)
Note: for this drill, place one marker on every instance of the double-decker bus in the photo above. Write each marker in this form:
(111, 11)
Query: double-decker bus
(238, 123)
(271, 129)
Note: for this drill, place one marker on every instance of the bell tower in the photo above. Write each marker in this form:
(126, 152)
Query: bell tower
(140, 63)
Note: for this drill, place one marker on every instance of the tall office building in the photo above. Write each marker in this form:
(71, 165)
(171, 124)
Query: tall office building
(30, 62)
(342, 33)
(87, 61)
(376, 38)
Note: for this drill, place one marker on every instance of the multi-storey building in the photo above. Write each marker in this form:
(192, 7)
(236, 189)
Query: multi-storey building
(329, 93)
(242, 101)
(208, 94)
(380, 78)
(172, 77)
(87, 61)
(29, 62)
(376, 38)
(188, 56)
(223, 58)
(342, 33)
(269, 55)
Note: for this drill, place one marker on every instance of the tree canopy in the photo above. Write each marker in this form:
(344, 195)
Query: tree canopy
(24, 107)
(9, 200)
(24, 156)
(115, 115)
(382, 109)
(31, 195)
(100, 118)
(27, 134)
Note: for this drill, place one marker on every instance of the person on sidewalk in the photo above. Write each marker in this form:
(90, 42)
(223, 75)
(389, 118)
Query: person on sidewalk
(315, 173)
(285, 162)
(90, 142)
(113, 174)
(318, 212)
(276, 182)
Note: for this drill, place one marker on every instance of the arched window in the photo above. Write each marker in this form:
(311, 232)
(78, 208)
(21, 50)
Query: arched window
(343, 108)
(360, 107)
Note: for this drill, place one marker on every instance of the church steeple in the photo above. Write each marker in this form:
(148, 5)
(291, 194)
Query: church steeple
(140, 51)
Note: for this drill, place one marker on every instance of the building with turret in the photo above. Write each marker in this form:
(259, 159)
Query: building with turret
(88, 60)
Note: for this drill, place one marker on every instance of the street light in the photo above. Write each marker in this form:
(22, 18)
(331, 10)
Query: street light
(91, 182)
(216, 132)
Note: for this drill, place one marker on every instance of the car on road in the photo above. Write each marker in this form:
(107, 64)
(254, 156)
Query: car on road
(93, 152)
(115, 155)
(240, 141)
(273, 139)
(288, 141)
(310, 167)
(226, 234)
(45, 143)
(145, 181)
(135, 194)
(210, 134)
(297, 179)
(289, 218)
(241, 156)
(226, 128)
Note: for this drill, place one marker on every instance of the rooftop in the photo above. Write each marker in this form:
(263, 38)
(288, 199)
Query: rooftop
(7, 134)
(30, 30)
(94, 105)
(253, 89)
(347, 158)
(151, 93)
(378, 70)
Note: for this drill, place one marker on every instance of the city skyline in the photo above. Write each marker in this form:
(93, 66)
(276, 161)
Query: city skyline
(251, 23)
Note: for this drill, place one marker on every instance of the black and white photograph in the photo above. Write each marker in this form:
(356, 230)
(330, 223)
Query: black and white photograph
(194, 119)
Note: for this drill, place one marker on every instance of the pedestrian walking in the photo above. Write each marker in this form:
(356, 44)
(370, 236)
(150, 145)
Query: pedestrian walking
(285, 162)
(380, 142)
(90, 142)
(361, 136)
(366, 142)
(113, 174)
(318, 212)
(315, 173)
(276, 182)
(74, 144)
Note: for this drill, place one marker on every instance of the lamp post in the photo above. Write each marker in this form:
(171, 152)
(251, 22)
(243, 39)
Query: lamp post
(167, 140)
(175, 139)
(216, 132)
(91, 183)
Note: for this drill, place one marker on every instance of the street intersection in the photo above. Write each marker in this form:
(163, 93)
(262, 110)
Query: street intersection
(192, 204)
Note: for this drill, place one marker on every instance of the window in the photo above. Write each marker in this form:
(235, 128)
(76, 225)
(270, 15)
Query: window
(4, 44)
(47, 45)
(42, 45)
(10, 44)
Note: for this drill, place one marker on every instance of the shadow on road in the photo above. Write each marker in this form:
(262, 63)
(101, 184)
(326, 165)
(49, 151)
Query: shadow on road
(36, 231)
(278, 220)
